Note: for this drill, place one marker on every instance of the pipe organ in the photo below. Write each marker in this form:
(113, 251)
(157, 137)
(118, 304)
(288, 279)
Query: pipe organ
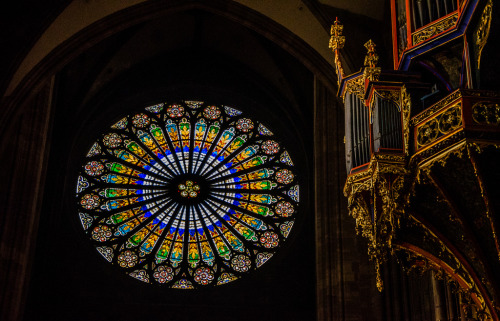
(421, 181)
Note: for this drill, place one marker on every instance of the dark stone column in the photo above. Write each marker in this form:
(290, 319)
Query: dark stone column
(346, 287)
(23, 162)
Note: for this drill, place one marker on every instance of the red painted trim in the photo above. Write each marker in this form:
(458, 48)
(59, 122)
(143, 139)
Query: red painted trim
(462, 261)
(394, 34)
(409, 42)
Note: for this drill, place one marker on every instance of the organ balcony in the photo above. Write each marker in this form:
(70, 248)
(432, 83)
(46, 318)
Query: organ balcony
(422, 154)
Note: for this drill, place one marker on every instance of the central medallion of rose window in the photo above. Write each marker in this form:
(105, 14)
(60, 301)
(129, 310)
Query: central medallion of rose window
(187, 194)
(189, 189)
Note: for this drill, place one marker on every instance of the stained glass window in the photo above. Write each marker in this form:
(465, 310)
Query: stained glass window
(187, 194)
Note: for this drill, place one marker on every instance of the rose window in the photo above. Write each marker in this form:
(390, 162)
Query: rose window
(187, 194)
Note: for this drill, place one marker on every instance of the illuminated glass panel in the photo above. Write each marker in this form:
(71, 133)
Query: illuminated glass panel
(187, 194)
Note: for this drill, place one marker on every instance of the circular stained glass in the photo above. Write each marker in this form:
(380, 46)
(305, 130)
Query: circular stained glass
(187, 194)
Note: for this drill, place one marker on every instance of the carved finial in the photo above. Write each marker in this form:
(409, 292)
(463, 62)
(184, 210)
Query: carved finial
(372, 72)
(336, 40)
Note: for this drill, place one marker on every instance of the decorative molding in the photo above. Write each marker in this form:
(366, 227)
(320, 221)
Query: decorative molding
(427, 133)
(486, 113)
(376, 202)
(437, 107)
(434, 29)
(337, 42)
(393, 95)
(355, 86)
(406, 113)
(450, 119)
(483, 30)
(413, 258)
(472, 151)
(480, 93)
(371, 72)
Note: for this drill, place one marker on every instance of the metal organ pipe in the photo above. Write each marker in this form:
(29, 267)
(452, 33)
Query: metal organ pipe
(366, 136)
(359, 130)
(348, 133)
(429, 10)
(354, 132)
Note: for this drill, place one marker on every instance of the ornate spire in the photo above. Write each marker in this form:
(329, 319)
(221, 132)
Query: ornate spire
(337, 41)
(372, 72)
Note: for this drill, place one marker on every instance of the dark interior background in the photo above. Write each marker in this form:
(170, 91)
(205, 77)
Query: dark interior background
(189, 55)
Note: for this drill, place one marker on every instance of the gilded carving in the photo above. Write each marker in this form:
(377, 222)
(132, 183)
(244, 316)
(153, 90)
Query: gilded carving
(337, 41)
(434, 29)
(376, 203)
(440, 124)
(483, 30)
(389, 158)
(356, 86)
(480, 93)
(486, 113)
(427, 133)
(390, 95)
(450, 120)
(472, 150)
(406, 108)
(449, 267)
(436, 107)
(372, 72)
